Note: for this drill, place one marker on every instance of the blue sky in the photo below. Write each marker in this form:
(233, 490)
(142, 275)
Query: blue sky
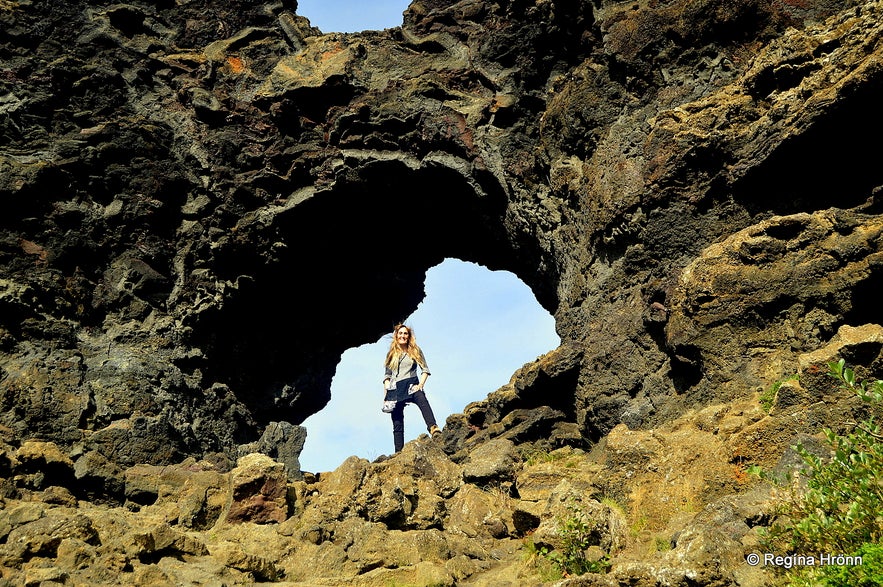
(346, 16)
(476, 326)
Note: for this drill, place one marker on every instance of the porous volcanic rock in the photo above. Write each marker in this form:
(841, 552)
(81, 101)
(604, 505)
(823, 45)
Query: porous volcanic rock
(194, 198)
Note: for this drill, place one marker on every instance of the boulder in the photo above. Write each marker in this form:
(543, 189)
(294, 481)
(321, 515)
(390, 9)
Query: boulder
(259, 491)
(493, 462)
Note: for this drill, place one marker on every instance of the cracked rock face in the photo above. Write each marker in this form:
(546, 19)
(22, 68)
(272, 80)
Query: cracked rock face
(197, 198)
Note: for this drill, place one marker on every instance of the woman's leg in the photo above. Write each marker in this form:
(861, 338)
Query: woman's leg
(398, 426)
(425, 409)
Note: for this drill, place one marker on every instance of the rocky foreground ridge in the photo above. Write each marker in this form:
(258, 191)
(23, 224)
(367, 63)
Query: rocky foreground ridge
(195, 200)
(672, 505)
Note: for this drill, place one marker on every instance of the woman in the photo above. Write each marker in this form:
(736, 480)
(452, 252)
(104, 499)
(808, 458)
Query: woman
(401, 383)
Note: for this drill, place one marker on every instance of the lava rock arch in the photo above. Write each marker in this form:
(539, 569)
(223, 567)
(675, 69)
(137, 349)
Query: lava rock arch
(201, 203)
(336, 268)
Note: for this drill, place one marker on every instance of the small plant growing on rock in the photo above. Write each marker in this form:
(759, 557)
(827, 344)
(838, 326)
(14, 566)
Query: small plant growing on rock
(768, 397)
(537, 557)
(578, 553)
(839, 512)
(662, 543)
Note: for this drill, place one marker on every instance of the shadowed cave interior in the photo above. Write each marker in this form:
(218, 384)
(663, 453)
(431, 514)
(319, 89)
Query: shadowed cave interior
(386, 225)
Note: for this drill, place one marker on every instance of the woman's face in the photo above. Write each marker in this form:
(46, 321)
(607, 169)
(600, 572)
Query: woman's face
(403, 335)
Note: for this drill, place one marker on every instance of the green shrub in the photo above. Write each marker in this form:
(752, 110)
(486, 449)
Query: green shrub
(842, 506)
(867, 574)
(575, 557)
(538, 558)
(841, 510)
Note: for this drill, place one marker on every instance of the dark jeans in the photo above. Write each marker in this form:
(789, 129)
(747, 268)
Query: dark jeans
(398, 417)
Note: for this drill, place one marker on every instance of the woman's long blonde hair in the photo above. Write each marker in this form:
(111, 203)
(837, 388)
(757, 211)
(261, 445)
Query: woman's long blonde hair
(394, 353)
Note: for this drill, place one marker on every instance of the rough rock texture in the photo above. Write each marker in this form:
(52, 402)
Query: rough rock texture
(192, 202)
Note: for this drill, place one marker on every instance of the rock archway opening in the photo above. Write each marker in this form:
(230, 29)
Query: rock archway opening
(476, 327)
(334, 268)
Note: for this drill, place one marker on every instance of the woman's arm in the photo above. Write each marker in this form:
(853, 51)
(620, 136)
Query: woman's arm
(424, 370)
(387, 375)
